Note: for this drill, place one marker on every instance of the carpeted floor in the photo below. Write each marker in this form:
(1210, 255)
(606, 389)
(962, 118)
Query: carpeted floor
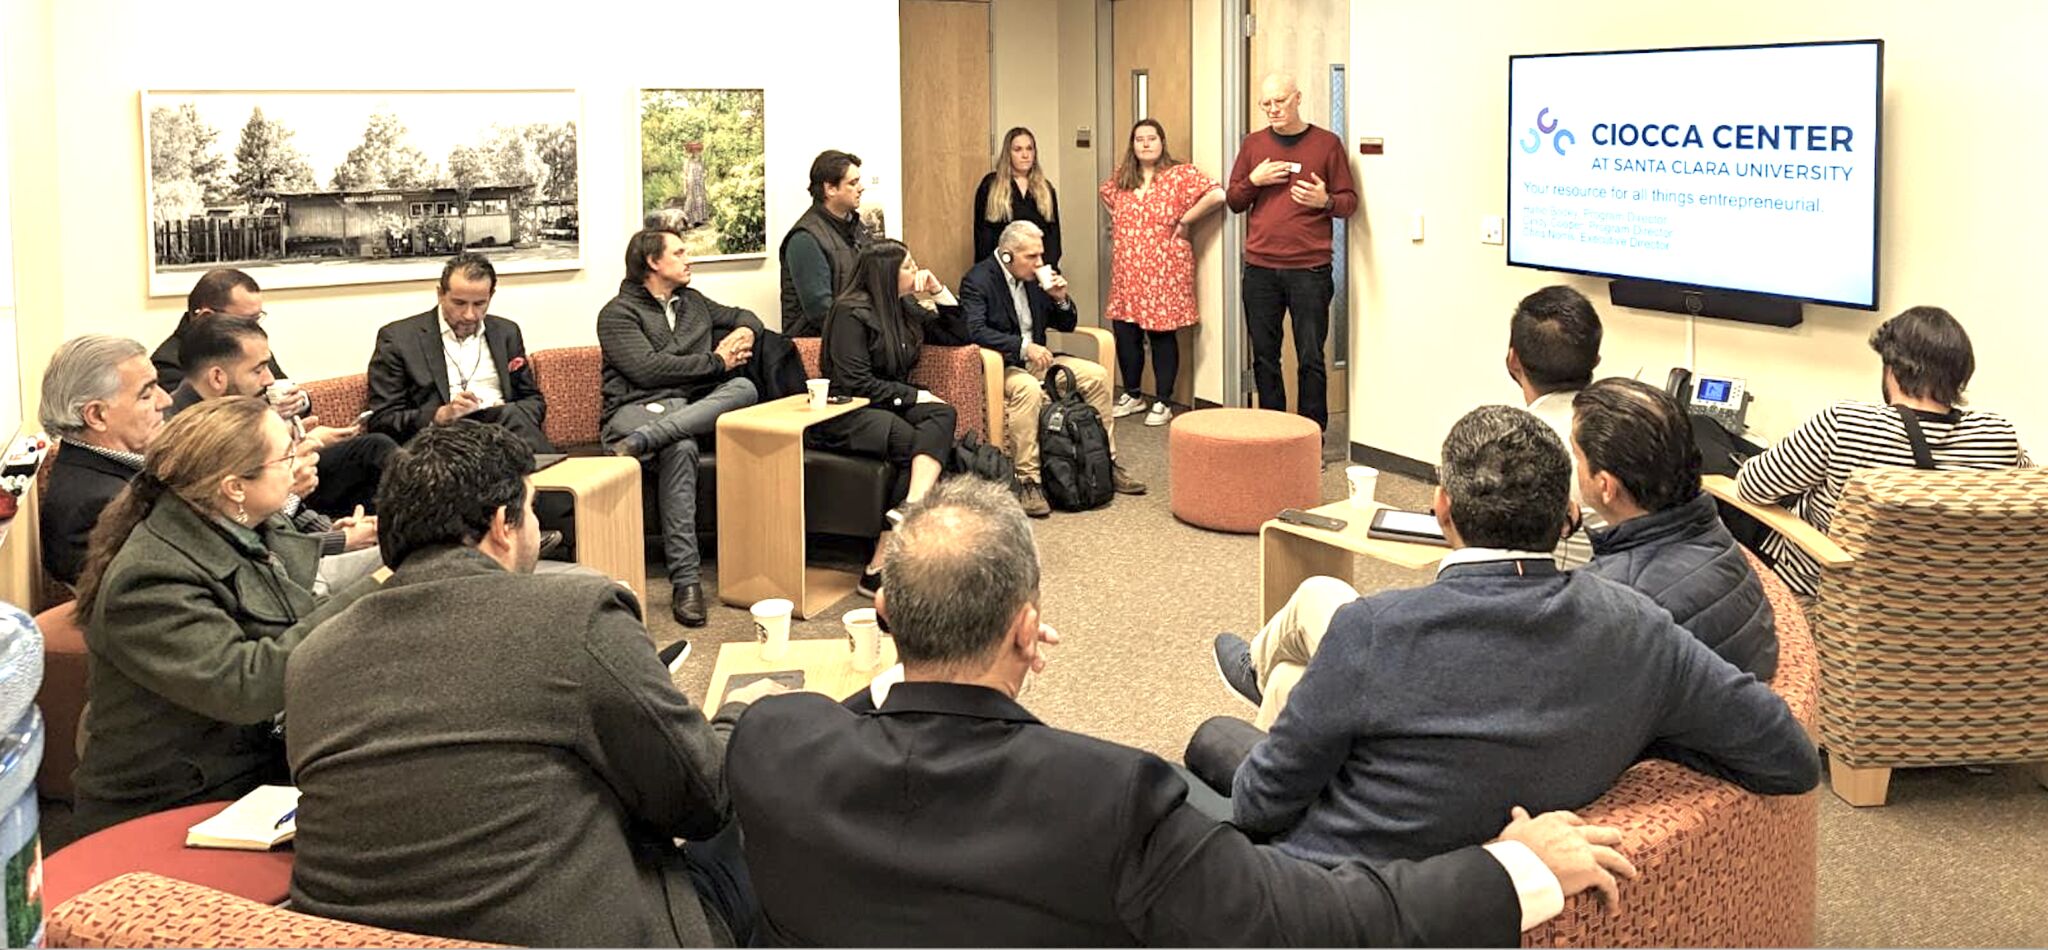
(1956, 859)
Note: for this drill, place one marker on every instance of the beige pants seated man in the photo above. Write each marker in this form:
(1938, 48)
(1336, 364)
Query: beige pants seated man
(1281, 651)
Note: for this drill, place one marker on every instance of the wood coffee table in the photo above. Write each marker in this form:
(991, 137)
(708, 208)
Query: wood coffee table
(761, 507)
(827, 664)
(1292, 553)
(606, 494)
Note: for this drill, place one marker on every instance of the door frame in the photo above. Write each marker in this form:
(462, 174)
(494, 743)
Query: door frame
(1237, 367)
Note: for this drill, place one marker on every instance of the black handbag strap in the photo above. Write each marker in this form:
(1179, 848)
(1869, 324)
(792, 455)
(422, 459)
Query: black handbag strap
(1923, 457)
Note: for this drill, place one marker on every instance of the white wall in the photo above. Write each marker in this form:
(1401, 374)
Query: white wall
(830, 78)
(1961, 197)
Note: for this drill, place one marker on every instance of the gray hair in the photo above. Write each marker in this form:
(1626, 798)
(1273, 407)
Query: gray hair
(959, 569)
(83, 369)
(1015, 232)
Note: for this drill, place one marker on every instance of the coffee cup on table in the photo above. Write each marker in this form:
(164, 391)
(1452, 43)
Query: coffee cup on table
(864, 635)
(1363, 481)
(771, 626)
(819, 389)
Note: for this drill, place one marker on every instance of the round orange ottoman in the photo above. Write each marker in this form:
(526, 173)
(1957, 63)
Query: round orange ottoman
(1232, 469)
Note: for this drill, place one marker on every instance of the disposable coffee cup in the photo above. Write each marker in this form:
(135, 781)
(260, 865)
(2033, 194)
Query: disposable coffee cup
(771, 626)
(1363, 481)
(819, 388)
(1044, 274)
(277, 390)
(864, 637)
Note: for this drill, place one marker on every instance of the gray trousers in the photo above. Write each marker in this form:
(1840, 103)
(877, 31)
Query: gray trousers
(670, 433)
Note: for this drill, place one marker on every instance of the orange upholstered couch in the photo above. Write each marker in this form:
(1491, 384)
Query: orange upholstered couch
(147, 910)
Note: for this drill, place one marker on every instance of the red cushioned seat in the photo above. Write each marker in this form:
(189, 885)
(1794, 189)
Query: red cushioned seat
(61, 697)
(156, 843)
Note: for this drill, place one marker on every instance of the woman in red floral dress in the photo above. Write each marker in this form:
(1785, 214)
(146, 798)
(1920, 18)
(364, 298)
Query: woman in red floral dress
(1153, 200)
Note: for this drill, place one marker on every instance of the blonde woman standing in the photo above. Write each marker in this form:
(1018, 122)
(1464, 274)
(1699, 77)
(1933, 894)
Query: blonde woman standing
(1029, 197)
(1153, 200)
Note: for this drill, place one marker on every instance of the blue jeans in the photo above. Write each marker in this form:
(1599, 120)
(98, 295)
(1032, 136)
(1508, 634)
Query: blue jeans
(669, 434)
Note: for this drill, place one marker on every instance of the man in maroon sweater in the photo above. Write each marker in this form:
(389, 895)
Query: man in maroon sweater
(1293, 179)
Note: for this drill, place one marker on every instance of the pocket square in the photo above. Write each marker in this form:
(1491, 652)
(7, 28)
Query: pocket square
(515, 364)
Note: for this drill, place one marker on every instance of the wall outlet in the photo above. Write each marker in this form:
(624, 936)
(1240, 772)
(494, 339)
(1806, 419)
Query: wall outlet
(1415, 227)
(1489, 229)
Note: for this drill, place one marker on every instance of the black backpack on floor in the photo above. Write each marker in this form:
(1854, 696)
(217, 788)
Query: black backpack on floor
(1074, 466)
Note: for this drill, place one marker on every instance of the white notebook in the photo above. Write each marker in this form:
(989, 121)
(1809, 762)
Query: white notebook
(259, 821)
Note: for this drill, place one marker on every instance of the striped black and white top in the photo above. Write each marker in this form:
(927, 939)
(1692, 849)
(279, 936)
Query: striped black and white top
(1807, 470)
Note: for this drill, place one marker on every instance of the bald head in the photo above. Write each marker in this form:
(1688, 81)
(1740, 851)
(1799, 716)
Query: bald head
(1280, 102)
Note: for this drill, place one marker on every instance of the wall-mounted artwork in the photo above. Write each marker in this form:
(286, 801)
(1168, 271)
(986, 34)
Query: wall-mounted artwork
(318, 188)
(703, 168)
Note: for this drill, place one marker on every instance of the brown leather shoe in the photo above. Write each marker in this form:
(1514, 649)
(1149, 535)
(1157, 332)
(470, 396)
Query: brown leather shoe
(1032, 498)
(1123, 482)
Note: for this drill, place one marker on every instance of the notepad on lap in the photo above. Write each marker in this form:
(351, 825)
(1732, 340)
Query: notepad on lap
(259, 821)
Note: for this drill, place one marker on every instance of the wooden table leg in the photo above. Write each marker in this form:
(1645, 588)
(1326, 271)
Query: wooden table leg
(1286, 559)
(760, 517)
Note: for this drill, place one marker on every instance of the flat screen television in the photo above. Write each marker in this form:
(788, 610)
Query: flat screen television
(1734, 168)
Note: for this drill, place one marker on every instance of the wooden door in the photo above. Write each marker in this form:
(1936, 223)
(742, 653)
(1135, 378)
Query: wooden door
(1151, 43)
(946, 128)
(1303, 38)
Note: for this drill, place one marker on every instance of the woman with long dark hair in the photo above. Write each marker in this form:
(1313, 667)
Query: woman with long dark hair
(1016, 191)
(1153, 200)
(873, 336)
(195, 590)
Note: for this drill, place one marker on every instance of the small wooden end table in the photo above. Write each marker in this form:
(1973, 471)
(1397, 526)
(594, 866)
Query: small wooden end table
(1292, 553)
(606, 493)
(761, 507)
(827, 665)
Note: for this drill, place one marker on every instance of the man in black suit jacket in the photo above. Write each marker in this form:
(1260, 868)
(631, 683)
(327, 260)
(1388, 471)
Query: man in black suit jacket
(223, 290)
(1000, 298)
(456, 361)
(949, 816)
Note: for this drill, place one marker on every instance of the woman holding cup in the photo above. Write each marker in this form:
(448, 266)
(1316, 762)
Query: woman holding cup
(1153, 201)
(871, 340)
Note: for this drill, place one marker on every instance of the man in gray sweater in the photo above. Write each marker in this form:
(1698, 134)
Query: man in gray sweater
(486, 754)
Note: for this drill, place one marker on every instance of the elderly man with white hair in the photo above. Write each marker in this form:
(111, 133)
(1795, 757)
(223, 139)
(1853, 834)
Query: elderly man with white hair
(1008, 307)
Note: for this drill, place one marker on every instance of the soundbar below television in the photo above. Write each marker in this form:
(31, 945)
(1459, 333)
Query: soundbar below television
(1731, 181)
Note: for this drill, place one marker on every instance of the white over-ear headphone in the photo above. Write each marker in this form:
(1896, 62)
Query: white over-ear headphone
(1003, 256)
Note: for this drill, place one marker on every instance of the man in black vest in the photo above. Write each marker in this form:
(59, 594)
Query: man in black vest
(819, 251)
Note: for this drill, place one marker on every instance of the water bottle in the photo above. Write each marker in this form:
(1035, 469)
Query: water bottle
(21, 754)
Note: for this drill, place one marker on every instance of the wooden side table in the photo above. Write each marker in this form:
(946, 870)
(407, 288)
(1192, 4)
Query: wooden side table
(827, 665)
(1292, 553)
(761, 507)
(609, 534)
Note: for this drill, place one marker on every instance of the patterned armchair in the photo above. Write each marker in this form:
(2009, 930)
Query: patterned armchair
(1933, 630)
(339, 400)
(147, 910)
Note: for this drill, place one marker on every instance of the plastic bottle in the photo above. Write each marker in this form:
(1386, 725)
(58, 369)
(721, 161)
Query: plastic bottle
(21, 754)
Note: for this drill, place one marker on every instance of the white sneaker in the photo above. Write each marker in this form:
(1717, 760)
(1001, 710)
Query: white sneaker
(1126, 405)
(1159, 415)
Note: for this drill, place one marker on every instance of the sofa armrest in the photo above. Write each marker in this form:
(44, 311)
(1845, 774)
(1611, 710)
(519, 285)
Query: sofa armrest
(1082, 340)
(992, 385)
(141, 909)
(1795, 529)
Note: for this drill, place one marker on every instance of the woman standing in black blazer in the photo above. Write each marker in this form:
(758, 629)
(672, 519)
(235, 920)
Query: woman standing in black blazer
(872, 338)
(1016, 191)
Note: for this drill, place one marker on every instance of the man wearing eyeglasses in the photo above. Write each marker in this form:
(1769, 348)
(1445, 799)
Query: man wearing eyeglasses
(221, 291)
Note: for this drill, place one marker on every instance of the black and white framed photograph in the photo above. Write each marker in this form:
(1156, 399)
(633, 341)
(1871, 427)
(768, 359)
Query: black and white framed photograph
(703, 168)
(312, 188)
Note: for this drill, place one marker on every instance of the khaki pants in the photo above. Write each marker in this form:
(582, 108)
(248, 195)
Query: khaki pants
(1281, 651)
(1024, 396)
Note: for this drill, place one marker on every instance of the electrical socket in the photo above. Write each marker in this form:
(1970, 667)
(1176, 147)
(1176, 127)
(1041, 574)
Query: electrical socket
(1490, 229)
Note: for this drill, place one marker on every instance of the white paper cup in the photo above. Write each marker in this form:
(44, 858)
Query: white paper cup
(819, 388)
(864, 637)
(277, 390)
(1363, 481)
(771, 626)
(1044, 274)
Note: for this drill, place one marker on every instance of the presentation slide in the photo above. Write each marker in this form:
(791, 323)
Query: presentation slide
(1749, 168)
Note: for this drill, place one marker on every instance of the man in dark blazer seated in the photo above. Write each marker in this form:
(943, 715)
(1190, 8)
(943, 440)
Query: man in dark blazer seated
(949, 816)
(488, 754)
(456, 361)
(225, 291)
(1008, 309)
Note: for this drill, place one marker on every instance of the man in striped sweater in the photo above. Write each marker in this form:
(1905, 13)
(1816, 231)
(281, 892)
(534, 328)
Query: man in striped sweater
(1927, 362)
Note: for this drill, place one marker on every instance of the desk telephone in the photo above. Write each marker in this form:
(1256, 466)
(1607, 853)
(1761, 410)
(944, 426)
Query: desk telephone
(1723, 399)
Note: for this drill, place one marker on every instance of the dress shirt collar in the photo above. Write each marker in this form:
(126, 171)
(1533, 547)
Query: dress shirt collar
(1485, 555)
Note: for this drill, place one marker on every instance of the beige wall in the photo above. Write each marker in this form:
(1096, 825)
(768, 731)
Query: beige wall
(1964, 90)
(75, 69)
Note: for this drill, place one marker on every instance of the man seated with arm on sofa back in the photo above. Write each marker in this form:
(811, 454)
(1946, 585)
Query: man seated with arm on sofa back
(1007, 310)
(1638, 466)
(1426, 712)
(1927, 361)
(456, 361)
(672, 362)
(948, 815)
(488, 754)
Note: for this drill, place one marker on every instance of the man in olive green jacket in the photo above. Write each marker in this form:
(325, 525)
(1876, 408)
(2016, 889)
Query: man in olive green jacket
(188, 638)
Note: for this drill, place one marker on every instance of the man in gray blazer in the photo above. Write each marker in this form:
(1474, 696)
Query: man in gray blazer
(486, 754)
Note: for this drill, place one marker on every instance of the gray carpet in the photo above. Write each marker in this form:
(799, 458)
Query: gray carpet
(1956, 859)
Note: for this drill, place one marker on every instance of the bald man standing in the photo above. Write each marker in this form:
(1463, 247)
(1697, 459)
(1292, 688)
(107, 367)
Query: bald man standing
(1290, 180)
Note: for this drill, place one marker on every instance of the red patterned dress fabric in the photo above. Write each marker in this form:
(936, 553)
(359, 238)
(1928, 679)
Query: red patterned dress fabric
(1151, 272)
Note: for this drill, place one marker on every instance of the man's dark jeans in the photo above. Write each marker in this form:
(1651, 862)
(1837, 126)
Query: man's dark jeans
(1305, 294)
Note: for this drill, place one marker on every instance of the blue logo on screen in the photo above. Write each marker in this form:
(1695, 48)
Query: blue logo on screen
(1546, 126)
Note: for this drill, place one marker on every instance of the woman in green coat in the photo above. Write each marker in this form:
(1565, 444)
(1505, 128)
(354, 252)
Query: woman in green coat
(195, 589)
